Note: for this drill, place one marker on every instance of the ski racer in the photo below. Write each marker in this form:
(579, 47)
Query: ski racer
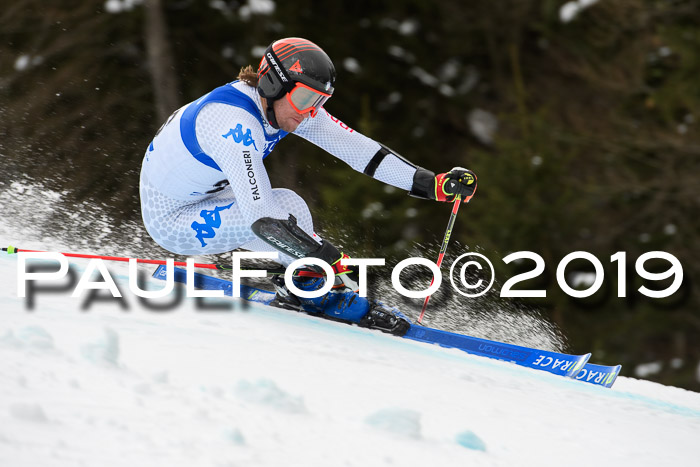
(204, 188)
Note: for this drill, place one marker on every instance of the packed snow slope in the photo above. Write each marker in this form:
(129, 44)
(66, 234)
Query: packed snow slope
(122, 384)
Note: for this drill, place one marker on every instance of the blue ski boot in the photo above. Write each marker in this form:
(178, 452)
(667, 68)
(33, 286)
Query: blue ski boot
(342, 303)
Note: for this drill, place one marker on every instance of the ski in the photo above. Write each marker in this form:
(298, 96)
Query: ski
(552, 362)
(602, 375)
(570, 366)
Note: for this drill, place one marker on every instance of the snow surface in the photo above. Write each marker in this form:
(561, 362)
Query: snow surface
(256, 386)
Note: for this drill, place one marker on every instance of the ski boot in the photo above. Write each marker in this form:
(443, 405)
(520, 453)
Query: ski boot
(386, 319)
(283, 297)
(342, 303)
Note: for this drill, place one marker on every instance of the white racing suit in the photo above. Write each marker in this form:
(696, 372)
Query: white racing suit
(203, 182)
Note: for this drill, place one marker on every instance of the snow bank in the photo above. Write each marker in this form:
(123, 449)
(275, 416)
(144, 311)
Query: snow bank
(265, 387)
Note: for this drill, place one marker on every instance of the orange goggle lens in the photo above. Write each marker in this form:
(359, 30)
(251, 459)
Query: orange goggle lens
(304, 99)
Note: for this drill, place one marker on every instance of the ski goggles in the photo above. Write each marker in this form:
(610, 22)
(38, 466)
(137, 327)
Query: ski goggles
(306, 99)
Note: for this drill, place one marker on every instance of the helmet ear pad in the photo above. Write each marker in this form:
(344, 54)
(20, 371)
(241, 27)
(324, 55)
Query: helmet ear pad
(270, 88)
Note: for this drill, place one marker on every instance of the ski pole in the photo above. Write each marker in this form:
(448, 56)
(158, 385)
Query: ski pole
(271, 272)
(11, 250)
(443, 248)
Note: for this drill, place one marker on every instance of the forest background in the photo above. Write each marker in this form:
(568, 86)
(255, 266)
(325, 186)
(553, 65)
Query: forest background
(578, 117)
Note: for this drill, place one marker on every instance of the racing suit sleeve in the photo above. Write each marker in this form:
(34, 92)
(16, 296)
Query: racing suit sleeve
(361, 153)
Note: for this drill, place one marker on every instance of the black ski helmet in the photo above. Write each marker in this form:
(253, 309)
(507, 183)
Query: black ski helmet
(291, 60)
